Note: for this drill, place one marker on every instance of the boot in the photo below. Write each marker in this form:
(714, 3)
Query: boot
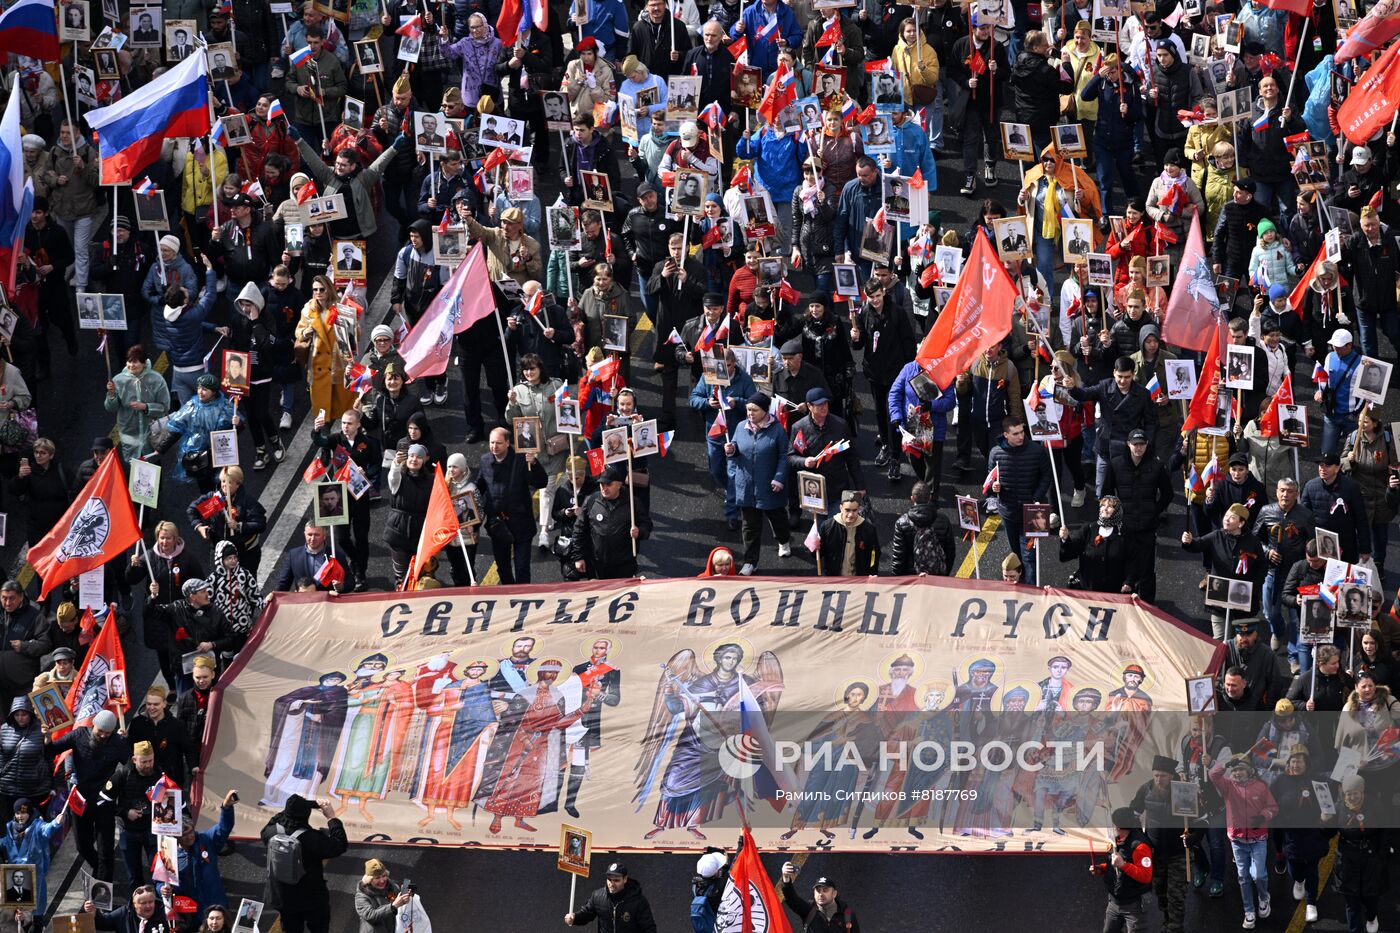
(575, 781)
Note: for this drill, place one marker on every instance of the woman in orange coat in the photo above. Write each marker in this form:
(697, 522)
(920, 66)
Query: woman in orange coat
(1054, 191)
(316, 336)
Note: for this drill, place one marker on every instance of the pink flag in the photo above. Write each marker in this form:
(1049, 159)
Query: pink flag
(1380, 24)
(1190, 318)
(465, 300)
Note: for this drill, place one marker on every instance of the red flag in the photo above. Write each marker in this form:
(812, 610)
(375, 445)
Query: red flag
(931, 275)
(751, 894)
(440, 524)
(306, 192)
(331, 573)
(1299, 296)
(1190, 317)
(88, 695)
(866, 115)
(977, 316)
(595, 461)
(314, 471)
(1299, 7)
(711, 237)
(213, 505)
(738, 47)
(781, 92)
(976, 63)
(1205, 401)
(495, 159)
(464, 300)
(832, 34)
(1380, 24)
(787, 293)
(1374, 99)
(1268, 424)
(97, 527)
(77, 803)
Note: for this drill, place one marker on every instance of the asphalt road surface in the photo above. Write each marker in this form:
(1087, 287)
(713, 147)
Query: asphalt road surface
(887, 892)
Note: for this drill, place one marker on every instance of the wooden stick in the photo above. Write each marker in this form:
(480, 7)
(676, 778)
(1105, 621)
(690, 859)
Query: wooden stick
(631, 500)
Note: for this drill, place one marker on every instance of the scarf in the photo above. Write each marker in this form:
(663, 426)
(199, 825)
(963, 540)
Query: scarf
(235, 592)
(174, 552)
(1050, 213)
(808, 194)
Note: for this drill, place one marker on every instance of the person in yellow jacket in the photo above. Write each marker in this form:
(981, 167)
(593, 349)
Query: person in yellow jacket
(1053, 184)
(1201, 140)
(1196, 450)
(197, 188)
(917, 61)
(325, 370)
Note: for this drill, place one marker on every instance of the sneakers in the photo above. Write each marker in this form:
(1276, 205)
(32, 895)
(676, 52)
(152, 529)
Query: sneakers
(1373, 926)
(440, 394)
(1264, 909)
(427, 397)
(278, 450)
(893, 473)
(1299, 892)
(1248, 920)
(747, 570)
(1216, 889)
(883, 457)
(1078, 499)
(989, 174)
(286, 423)
(969, 187)
(1310, 915)
(260, 459)
(785, 550)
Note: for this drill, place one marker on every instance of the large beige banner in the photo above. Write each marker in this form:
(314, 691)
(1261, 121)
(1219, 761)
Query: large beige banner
(658, 710)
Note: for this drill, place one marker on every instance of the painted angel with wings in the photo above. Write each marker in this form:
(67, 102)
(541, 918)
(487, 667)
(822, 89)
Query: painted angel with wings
(714, 726)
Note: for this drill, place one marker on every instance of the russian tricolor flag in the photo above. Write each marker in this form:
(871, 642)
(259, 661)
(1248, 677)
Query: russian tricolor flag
(274, 110)
(849, 110)
(1319, 374)
(29, 27)
(146, 187)
(163, 785)
(1261, 122)
(16, 193)
(1154, 387)
(131, 131)
(1212, 472)
(665, 440)
(301, 56)
(1193, 481)
(712, 115)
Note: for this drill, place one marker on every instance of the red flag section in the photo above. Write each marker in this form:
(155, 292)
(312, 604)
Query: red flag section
(1299, 7)
(97, 527)
(1373, 101)
(750, 903)
(88, 695)
(1205, 402)
(464, 300)
(977, 316)
(781, 92)
(439, 524)
(1191, 309)
(1268, 424)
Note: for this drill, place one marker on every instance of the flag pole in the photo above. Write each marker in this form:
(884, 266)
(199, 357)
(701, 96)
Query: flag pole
(505, 354)
(67, 112)
(631, 500)
(471, 572)
(1293, 78)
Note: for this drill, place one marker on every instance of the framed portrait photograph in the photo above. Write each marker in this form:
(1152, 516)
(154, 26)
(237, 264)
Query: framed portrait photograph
(357, 481)
(1199, 51)
(143, 482)
(527, 434)
(575, 848)
(688, 199)
(520, 183)
(151, 211)
(1159, 271)
(89, 311)
(683, 97)
(1354, 604)
(223, 447)
(9, 320)
(223, 61)
(104, 64)
(84, 85)
(1016, 142)
(294, 238)
(1036, 518)
(1239, 367)
(237, 371)
(450, 245)
(179, 39)
(145, 27)
(166, 813)
(949, 260)
(878, 135)
(430, 133)
(352, 113)
(887, 90)
(1372, 380)
(969, 518)
(1329, 544)
(556, 111)
(1069, 140)
(760, 219)
(1234, 36)
(566, 416)
(875, 244)
(1316, 622)
(20, 892)
(746, 86)
(597, 191)
(367, 57)
(97, 891)
(51, 708)
(712, 365)
(249, 913)
(330, 504)
(1181, 379)
(1078, 239)
(1043, 419)
(897, 202)
(829, 86)
(410, 47)
(1186, 799)
(1100, 269)
(646, 440)
(809, 110)
(349, 258)
(1200, 695)
(1012, 239)
(615, 332)
(1218, 592)
(324, 210)
(502, 132)
(73, 22)
(847, 282)
(1239, 595)
(113, 312)
(116, 688)
(562, 226)
(1293, 425)
(760, 365)
(811, 492)
(616, 444)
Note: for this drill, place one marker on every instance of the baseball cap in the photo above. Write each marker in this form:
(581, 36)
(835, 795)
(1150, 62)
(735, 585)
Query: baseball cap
(1340, 337)
(818, 396)
(690, 134)
(1361, 155)
(238, 199)
(1138, 435)
(617, 868)
(645, 187)
(825, 881)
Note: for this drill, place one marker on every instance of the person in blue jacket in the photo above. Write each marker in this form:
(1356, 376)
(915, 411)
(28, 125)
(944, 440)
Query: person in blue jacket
(911, 151)
(860, 200)
(923, 419)
(608, 24)
(179, 321)
(207, 411)
(757, 453)
(708, 399)
(757, 21)
(198, 858)
(1120, 111)
(29, 840)
(777, 162)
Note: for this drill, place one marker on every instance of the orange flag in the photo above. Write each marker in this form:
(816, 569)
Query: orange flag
(1204, 408)
(440, 524)
(88, 695)
(977, 316)
(1374, 99)
(97, 527)
(1268, 424)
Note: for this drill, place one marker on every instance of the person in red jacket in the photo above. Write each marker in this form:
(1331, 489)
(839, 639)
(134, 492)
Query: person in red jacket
(1249, 806)
(1127, 873)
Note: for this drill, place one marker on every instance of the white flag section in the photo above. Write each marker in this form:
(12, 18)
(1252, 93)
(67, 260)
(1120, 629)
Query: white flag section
(464, 300)
(412, 918)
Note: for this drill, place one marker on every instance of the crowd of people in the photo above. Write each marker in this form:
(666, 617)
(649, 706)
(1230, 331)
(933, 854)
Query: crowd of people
(764, 178)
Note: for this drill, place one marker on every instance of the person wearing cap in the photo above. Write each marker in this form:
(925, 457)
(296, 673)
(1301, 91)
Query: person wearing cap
(139, 396)
(1360, 181)
(206, 412)
(305, 904)
(155, 725)
(1359, 872)
(1148, 361)
(602, 535)
(1372, 270)
(29, 839)
(1235, 236)
(1275, 329)
(510, 251)
(691, 151)
(377, 898)
(1279, 735)
(1249, 808)
(709, 882)
(1127, 871)
(197, 624)
(1153, 804)
(243, 246)
(813, 433)
(1023, 470)
(849, 545)
(588, 149)
(179, 322)
(619, 906)
(826, 343)
(125, 795)
(1233, 551)
(118, 265)
(1339, 403)
(646, 231)
(826, 912)
(62, 661)
(1238, 485)
(1337, 505)
(589, 78)
(758, 474)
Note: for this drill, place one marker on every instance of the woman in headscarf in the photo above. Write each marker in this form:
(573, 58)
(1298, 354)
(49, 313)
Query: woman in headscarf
(1049, 188)
(1100, 548)
(419, 430)
(720, 563)
(325, 363)
(466, 503)
(235, 589)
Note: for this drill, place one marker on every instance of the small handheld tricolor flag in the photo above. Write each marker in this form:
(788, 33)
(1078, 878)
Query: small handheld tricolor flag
(146, 187)
(1319, 374)
(664, 441)
(1212, 472)
(1261, 122)
(301, 56)
(331, 573)
(163, 785)
(274, 110)
(1154, 387)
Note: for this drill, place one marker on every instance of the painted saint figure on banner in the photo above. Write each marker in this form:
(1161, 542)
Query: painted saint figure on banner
(306, 726)
(458, 744)
(587, 734)
(1130, 728)
(367, 747)
(829, 785)
(694, 790)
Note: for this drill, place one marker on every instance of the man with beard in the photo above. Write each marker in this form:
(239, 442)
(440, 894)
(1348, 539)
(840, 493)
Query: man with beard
(510, 672)
(976, 695)
(1129, 729)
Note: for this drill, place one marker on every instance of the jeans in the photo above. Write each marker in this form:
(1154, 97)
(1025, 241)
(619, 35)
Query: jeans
(1252, 866)
(1046, 250)
(719, 473)
(1015, 536)
(138, 850)
(1334, 429)
(1366, 323)
(80, 232)
(183, 386)
(980, 138)
(1278, 196)
(1111, 162)
(289, 395)
(933, 115)
(1272, 607)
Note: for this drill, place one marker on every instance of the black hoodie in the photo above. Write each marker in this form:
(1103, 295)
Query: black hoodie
(627, 911)
(922, 516)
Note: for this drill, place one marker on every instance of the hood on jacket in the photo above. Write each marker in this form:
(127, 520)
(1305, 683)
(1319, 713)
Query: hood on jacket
(17, 704)
(250, 293)
(1065, 174)
(1382, 697)
(710, 564)
(923, 514)
(220, 550)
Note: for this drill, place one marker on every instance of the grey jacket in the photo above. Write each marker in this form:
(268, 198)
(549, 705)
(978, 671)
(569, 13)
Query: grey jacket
(357, 187)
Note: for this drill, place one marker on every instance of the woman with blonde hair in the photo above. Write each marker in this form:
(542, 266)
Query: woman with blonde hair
(169, 564)
(378, 899)
(316, 337)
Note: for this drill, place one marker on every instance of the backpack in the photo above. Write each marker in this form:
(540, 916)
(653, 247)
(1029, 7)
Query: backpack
(284, 858)
(928, 553)
(703, 912)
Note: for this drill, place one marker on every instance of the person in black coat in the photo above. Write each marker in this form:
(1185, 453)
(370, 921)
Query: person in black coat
(547, 336)
(43, 485)
(198, 624)
(922, 517)
(391, 406)
(1235, 552)
(304, 561)
(837, 532)
(589, 150)
(677, 288)
(1359, 873)
(1101, 548)
(24, 640)
(530, 59)
(1336, 503)
(825, 913)
(507, 481)
(1235, 235)
(619, 906)
(714, 65)
(1144, 492)
(1036, 86)
(659, 43)
(410, 487)
(1238, 485)
(887, 336)
(1125, 406)
(239, 518)
(578, 486)
(601, 546)
(977, 72)
(306, 904)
